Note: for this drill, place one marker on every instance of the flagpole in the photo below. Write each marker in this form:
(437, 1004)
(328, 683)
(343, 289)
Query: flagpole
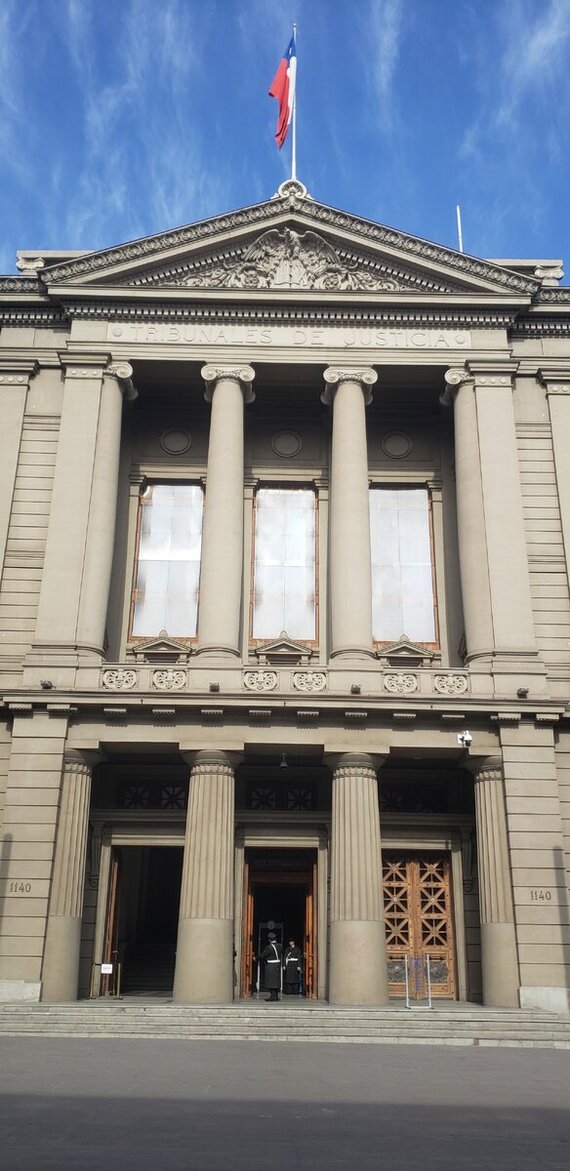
(294, 127)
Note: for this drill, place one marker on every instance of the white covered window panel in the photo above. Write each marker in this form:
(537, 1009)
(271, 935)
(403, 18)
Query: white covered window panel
(402, 576)
(284, 593)
(168, 567)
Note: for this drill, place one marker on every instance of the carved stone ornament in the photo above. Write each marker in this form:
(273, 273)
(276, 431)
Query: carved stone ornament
(333, 376)
(287, 259)
(169, 680)
(242, 374)
(400, 684)
(451, 684)
(309, 681)
(119, 679)
(260, 680)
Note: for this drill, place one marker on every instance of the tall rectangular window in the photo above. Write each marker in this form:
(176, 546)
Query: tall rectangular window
(402, 570)
(284, 570)
(168, 564)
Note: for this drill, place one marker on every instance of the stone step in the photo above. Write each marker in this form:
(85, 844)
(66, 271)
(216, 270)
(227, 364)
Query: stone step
(306, 1021)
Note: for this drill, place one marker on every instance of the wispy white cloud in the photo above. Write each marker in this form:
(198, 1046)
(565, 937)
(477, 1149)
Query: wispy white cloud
(535, 58)
(381, 31)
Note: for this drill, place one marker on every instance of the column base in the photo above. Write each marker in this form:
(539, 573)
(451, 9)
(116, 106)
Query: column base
(223, 653)
(357, 962)
(61, 959)
(204, 962)
(499, 965)
(547, 999)
(13, 991)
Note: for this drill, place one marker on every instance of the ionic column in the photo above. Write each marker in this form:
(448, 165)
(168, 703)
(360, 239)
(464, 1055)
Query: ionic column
(350, 557)
(357, 972)
(204, 956)
(222, 541)
(60, 974)
(79, 549)
(498, 939)
(492, 546)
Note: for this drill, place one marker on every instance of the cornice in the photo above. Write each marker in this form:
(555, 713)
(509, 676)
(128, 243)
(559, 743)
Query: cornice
(352, 310)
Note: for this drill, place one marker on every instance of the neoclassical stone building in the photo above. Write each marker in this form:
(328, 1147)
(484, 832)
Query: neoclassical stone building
(285, 614)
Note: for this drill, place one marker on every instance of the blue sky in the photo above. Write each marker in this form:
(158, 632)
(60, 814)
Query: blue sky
(120, 118)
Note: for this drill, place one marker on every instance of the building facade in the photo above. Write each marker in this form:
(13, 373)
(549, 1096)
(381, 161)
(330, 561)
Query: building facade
(285, 614)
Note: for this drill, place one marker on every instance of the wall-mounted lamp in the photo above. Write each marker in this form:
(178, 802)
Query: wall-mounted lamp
(522, 692)
(355, 688)
(46, 684)
(283, 762)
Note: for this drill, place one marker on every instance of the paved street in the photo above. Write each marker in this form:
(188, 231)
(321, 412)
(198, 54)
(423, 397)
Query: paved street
(101, 1105)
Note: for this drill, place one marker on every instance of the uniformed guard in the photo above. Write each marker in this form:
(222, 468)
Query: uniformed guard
(272, 956)
(293, 970)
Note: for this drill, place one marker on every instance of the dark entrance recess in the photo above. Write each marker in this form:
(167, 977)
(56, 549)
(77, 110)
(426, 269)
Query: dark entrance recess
(281, 889)
(142, 919)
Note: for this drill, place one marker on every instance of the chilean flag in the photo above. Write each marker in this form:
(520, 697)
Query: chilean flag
(283, 88)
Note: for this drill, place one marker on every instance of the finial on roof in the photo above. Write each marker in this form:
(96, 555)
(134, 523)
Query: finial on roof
(292, 189)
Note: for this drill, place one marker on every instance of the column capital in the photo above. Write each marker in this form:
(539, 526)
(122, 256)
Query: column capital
(354, 762)
(210, 759)
(123, 372)
(334, 375)
(483, 766)
(555, 381)
(243, 375)
(83, 365)
(455, 377)
(17, 371)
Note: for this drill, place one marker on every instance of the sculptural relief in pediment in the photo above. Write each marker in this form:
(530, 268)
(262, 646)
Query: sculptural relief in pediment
(281, 259)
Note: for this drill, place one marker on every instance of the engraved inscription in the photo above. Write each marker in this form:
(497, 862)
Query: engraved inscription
(353, 338)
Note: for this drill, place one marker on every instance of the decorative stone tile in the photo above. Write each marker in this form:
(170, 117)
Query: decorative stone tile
(260, 680)
(401, 684)
(451, 684)
(119, 679)
(309, 681)
(169, 680)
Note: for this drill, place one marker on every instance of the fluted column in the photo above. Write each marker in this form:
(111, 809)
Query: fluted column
(222, 541)
(350, 557)
(498, 939)
(492, 546)
(357, 972)
(81, 530)
(204, 957)
(60, 972)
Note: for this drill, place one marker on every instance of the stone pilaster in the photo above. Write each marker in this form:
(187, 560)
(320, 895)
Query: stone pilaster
(15, 376)
(60, 972)
(204, 957)
(557, 383)
(81, 528)
(495, 583)
(498, 938)
(349, 556)
(357, 937)
(221, 571)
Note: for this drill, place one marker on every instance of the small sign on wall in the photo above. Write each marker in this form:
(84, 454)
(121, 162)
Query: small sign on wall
(106, 969)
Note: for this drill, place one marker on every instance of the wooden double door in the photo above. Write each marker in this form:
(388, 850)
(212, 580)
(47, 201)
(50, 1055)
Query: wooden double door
(418, 913)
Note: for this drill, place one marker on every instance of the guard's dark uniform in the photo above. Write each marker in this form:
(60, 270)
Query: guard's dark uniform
(293, 965)
(272, 957)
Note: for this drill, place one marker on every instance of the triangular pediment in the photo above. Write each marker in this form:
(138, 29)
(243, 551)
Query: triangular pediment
(406, 653)
(288, 244)
(162, 649)
(284, 650)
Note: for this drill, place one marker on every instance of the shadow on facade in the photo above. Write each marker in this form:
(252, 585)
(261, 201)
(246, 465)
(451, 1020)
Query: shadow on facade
(564, 904)
(5, 856)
